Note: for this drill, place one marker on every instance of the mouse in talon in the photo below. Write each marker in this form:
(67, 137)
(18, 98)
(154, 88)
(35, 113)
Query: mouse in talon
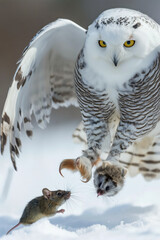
(44, 206)
(109, 179)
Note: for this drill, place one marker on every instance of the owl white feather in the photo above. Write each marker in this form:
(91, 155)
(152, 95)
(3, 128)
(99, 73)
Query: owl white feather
(117, 84)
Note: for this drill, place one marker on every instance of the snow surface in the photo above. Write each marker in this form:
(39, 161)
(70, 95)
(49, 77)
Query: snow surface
(133, 214)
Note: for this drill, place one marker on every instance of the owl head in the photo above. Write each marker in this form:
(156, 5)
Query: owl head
(120, 41)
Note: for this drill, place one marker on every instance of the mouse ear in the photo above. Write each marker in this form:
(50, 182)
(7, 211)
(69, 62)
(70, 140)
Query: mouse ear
(46, 193)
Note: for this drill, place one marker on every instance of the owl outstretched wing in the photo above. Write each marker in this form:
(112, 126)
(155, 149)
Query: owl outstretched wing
(43, 80)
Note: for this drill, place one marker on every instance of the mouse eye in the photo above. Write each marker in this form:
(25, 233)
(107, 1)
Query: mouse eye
(59, 194)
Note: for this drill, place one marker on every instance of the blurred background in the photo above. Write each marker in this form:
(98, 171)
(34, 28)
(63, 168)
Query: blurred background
(20, 20)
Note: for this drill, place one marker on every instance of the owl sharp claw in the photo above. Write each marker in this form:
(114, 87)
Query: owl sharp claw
(81, 164)
(69, 164)
(85, 168)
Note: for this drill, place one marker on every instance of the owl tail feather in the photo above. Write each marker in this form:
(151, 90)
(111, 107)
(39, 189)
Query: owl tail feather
(69, 164)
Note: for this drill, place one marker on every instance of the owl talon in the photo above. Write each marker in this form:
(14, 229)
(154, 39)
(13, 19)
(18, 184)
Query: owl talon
(81, 164)
(85, 168)
(69, 164)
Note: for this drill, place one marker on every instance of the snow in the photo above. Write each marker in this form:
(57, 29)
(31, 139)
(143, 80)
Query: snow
(132, 214)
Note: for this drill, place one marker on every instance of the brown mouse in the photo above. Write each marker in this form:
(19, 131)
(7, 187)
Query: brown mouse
(43, 206)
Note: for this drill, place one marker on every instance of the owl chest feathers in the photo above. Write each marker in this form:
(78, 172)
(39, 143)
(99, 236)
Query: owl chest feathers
(137, 99)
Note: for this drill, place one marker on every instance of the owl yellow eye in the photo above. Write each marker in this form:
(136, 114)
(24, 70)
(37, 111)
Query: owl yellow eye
(129, 43)
(102, 43)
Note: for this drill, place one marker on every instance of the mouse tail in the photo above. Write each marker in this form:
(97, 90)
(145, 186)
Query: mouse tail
(13, 228)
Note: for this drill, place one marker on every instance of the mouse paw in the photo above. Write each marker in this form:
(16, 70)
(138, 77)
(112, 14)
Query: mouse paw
(81, 164)
(61, 211)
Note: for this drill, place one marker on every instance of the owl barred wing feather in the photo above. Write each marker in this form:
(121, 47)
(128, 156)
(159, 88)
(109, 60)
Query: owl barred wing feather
(43, 80)
(143, 157)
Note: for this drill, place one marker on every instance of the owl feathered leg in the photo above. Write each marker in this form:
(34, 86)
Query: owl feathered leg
(125, 136)
(82, 164)
(142, 157)
(96, 131)
(91, 156)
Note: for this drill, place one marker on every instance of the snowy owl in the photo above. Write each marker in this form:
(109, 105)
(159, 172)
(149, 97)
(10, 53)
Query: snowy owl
(113, 70)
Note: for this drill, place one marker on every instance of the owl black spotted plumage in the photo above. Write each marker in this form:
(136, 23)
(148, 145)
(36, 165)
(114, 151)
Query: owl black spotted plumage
(114, 68)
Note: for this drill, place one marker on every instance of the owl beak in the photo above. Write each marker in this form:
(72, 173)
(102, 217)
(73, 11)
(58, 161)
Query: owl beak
(115, 60)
